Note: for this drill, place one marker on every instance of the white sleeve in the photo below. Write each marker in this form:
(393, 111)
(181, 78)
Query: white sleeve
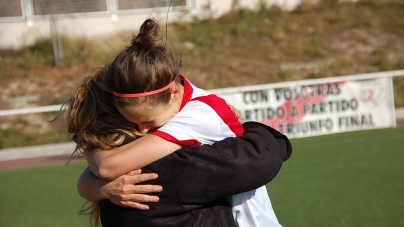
(197, 121)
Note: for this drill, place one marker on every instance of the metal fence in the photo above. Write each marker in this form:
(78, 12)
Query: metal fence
(54, 108)
(30, 10)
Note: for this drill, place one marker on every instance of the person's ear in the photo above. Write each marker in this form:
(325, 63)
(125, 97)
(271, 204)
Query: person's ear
(175, 92)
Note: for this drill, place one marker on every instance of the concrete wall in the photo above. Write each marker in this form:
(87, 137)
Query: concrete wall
(14, 34)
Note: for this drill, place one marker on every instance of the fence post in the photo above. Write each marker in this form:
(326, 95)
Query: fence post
(27, 11)
(56, 43)
(112, 7)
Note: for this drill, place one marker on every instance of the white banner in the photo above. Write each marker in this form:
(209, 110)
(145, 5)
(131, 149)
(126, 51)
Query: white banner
(316, 107)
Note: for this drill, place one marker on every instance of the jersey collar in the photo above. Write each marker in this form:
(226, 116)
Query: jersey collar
(188, 90)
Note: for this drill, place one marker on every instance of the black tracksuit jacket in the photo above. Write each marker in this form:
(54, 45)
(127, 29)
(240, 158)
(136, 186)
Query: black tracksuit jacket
(197, 180)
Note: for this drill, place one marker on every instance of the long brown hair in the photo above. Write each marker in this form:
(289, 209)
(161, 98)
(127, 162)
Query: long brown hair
(92, 117)
(96, 124)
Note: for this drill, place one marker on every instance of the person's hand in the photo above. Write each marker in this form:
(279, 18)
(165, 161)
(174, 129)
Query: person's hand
(236, 112)
(124, 190)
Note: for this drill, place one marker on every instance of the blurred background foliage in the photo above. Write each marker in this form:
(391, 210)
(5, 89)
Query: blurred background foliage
(243, 47)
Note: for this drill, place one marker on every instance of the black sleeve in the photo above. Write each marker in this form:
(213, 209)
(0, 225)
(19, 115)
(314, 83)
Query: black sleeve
(228, 167)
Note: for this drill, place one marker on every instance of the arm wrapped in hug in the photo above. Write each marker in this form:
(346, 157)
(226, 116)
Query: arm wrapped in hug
(196, 180)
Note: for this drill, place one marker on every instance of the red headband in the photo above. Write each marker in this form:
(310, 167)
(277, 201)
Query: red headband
(135, 95)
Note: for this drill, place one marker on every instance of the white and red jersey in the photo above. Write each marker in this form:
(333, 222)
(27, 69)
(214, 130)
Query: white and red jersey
(203, 118)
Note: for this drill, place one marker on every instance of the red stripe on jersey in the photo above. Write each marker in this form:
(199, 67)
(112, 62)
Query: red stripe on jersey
(170, 138)
(220, 106)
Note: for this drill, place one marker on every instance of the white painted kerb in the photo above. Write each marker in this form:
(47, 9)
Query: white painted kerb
(37, 151)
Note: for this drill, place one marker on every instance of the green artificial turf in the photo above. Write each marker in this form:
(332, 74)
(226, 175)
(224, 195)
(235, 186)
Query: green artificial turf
(42, 197)
(350, 179)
